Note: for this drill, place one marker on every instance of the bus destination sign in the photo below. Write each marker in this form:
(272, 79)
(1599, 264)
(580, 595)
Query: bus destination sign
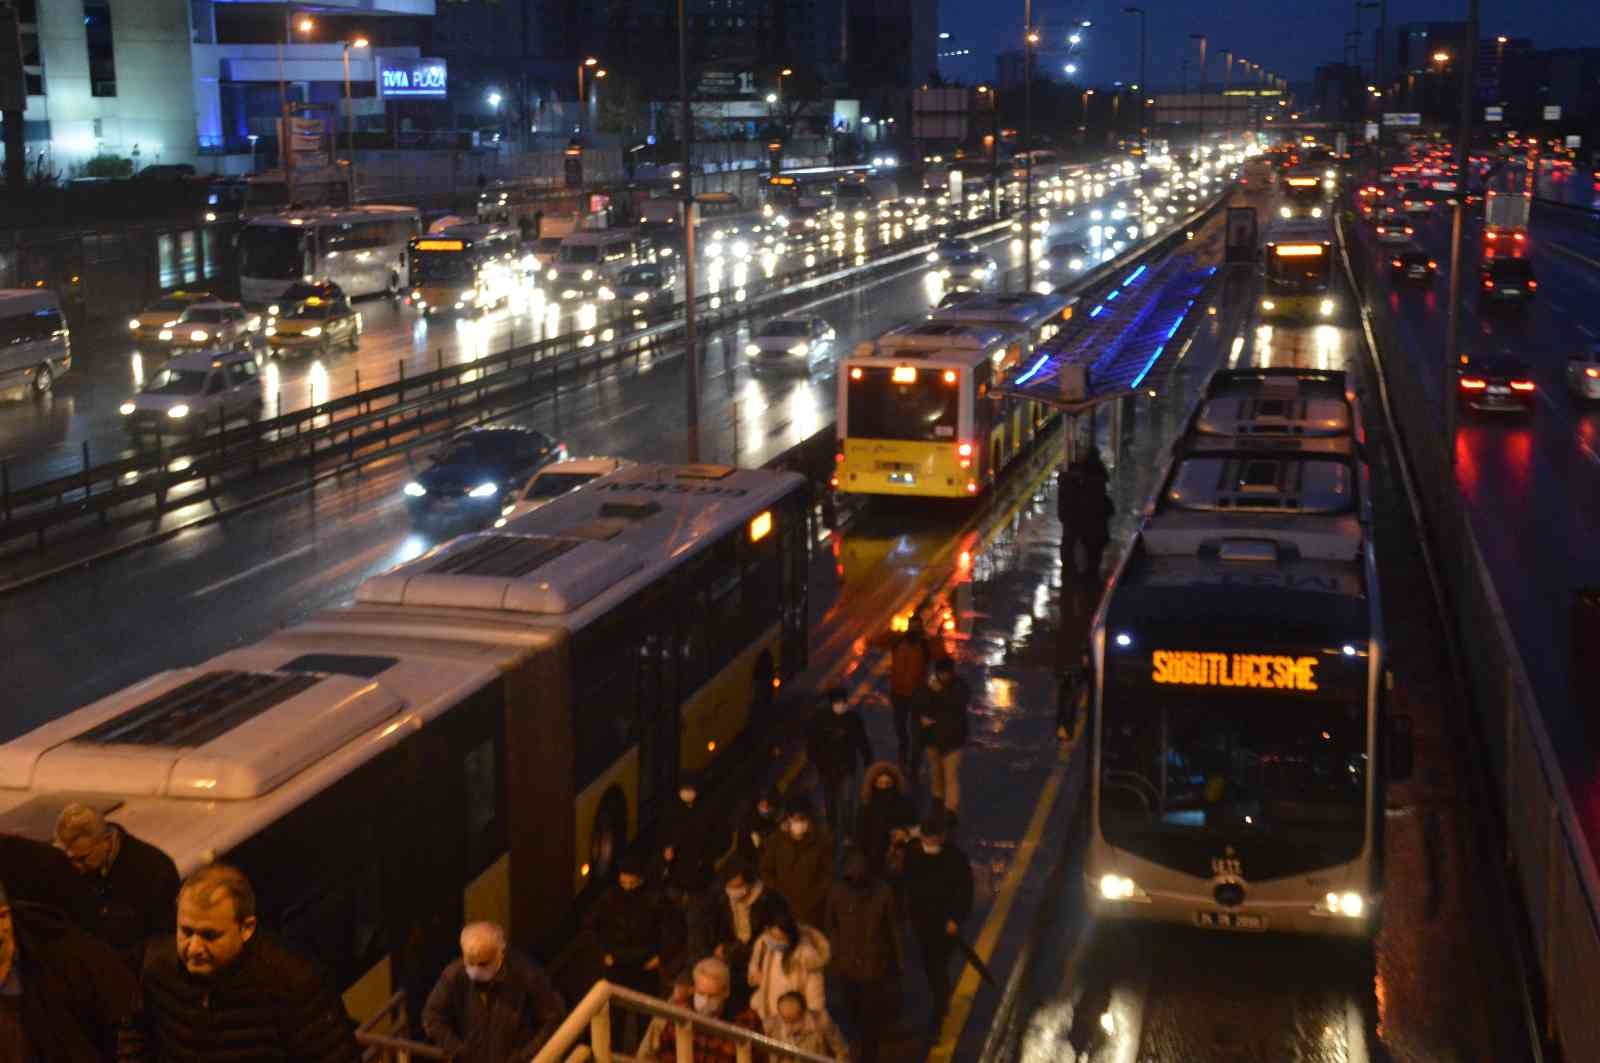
(1257, 671)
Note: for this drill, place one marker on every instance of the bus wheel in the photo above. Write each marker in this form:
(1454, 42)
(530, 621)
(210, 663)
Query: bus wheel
(607, 838)
(43, 380)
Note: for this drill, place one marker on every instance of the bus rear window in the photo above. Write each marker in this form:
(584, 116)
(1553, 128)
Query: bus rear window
(922, 409)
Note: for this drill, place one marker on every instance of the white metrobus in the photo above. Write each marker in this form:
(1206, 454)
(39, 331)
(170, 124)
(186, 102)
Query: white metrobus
(478, 736)
(362, 249)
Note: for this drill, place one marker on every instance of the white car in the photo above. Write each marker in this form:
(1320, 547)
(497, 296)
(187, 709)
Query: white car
(795, 344)
(555, 480)
(195, 393)
(1583, 374)
(216, 325)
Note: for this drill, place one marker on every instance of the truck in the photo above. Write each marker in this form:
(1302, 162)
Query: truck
(1505, 223)
(1242, 236)
(553, 228)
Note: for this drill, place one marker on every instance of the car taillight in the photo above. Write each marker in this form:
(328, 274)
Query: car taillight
(1395, 262)
(1592, 373)
(1432, 264)
(1522, 385)
(1472, 383)
(1519, 237)
(1381, 230)
(1488, 282)
(1532, 284)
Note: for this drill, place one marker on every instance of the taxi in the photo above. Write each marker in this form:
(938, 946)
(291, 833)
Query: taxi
(316, 325)
(162, 316)
(215, 324)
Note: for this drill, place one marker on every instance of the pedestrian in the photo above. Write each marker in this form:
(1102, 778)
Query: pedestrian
(494, 1004)
(867, 953)
(943, 716)
(836, 743)
(223, 988)
(135, 884)
(757, 826)
(789, 956)
(937, 890)
(637, 931)
(41, 874)
(686, 870)
(1094, 509)
(809, 1031)
(799, 862)
(63, 992)
(885, 808)
(712, 999)
(910, 657)
(738, 915)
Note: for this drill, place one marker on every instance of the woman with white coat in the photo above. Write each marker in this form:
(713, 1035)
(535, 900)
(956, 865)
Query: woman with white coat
(789, 957)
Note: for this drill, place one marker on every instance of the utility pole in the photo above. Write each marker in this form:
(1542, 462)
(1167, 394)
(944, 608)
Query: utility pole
(1452, 357)
(691, 343)
(1028, 40)
(1201, 37)
(1144, 86)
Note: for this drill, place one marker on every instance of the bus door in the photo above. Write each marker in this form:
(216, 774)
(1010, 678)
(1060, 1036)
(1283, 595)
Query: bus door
(658, 719)
(794, 540)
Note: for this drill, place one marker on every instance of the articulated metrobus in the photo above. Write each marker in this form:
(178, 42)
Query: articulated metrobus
(1298, 261)
(362, 249)
(477, 737)
(917, 416)
(1304, 194)
(467, 267)
(1239, 681)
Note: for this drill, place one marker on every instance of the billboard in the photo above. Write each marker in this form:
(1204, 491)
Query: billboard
(412, 79)
(1552, 112)
(1494, 114)
(1401, 118)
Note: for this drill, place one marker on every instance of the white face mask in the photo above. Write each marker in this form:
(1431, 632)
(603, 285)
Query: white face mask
(687, 796)
(800, 829)
(841, 707)
(481, 973)
(705, 1005)
(932, 848)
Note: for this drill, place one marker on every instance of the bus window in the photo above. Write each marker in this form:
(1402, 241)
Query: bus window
(270, 251)
(923, 408)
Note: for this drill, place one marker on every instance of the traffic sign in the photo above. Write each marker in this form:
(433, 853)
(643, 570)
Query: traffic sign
(1401, 118)
(1494, 114)
(1552, 112)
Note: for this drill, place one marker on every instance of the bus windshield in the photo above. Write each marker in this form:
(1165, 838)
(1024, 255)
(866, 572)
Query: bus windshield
(923, 409)
(270, 251)
(1298, 272)
(440, 266)
(1184, 774)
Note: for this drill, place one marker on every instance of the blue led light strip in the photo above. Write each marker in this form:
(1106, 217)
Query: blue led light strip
(1147, 367)
(1033, 371)
(1113, 295)
(1096, 311)
(1135, 275)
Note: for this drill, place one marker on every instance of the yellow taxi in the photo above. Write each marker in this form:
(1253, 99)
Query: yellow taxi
(318, 325)
(153, 328)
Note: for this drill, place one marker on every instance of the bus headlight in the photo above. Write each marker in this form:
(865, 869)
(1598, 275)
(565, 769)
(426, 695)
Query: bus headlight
(1316, 212)
(484, 490)
(1326, 307)
(178, 412)
(126, 409)
(1283, 212)
(1119, 888)
(1349, 904)
(1268, 304)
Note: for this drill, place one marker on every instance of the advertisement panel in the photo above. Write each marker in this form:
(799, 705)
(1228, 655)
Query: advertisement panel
(412, 79)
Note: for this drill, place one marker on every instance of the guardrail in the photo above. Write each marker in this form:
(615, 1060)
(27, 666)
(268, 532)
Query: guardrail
(373, 423)
(1545, 846)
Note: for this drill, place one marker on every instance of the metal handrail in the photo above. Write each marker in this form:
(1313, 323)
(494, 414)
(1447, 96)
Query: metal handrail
(593, 1016)
(392, 1049)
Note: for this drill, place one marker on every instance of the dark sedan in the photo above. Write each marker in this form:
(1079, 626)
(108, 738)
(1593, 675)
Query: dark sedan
(1411, 263)
(1506, 280)
(467, 478)
(1499, 383)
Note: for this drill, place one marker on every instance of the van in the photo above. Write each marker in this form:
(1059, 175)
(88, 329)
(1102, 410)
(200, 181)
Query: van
(35, 346)
(591, 261)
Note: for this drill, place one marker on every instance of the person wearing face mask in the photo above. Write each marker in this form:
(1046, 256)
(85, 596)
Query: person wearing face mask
(686, 870)
(838, 747)
(493, 1005)
(637, 931)
(799, 862)
(757, 826)
(739, 914)
(936, 887)
(808, 1031)
(711, 997)
(943, 716)
(886, 807)
(789, 957)
(223, 989)
(867, 956)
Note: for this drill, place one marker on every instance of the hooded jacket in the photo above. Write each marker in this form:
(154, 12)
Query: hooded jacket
(881, 813)
(773, 973)
(801, 870)
(861, 924)
(835, 742)
(76, 992)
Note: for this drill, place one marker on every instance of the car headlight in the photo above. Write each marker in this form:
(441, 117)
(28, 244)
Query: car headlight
(165, 334)
(606, 293)
(272, 330)
(933, 256)
(752, 349)
(1283, 212)
(1326, 307)
(484, 490)
(1119, 888)
(134, 324)
(313, 332)
(199, 335)
(274, 310)
(126, 408)
(470, 295)
(588, 274)
(1316, 212)
(550, 275)
(800, 349)
(1268, 304)
(1076, 263)
(1349, 904)
(414, 489)
(178, 412)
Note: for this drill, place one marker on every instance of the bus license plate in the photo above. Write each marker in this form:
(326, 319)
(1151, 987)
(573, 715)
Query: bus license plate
(1229, 921)
(902, 478)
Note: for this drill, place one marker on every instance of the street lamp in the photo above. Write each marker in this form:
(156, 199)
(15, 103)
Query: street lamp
(772, 97)
(1030, 38)
(582, 99)
(785, 72)
(285, 140)
(1143, 153)
(1076, 38)
(349, 108)
(1441, 57)
(1071, 68)
(494, 99)
(1201, 37)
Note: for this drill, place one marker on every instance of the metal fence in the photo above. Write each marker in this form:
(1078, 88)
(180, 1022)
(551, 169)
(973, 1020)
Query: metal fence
(1545, 845)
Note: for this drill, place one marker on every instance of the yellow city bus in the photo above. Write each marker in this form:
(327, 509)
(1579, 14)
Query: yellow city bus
(466, 268)
(916, 416)
(1298, 261)
(478, 736)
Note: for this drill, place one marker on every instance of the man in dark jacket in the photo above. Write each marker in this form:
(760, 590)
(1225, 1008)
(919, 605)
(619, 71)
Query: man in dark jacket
(40, 874)
(910, 655)
(223, 990)
(943, 716)
(867, 957)
(887, 814)
(838, 746)
(1091, 509)
(799, 863)
(63, 993)
(738, 914)
(493, 1005)
(134, 883)
(937, 889)
(685, 872)
(638, 932)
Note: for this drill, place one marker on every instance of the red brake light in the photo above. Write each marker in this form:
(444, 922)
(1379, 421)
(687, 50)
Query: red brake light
(1532, 284)
(1491, 236)
(1432, 264)
(855, 374)
(1522, 385)
(1395, 262)
(1472, 383)
(1488, 283)
(1592, 373)
(1381, 230)
(1519, 237)
(965, 450)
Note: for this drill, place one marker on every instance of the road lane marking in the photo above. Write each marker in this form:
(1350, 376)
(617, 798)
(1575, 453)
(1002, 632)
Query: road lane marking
(253, 570)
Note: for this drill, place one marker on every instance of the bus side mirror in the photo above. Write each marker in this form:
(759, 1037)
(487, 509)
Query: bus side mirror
(1402, 748)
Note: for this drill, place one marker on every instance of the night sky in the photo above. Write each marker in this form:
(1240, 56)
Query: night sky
(1289, 37)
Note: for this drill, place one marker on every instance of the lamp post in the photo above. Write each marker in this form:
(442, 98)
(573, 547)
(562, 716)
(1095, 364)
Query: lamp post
(349, 111)
(1030, 38)
(305, 24)
(691, 355)
(1463, 156)
(577, 127)
(993, 98)
(1144, 155)
(785, 72)
(1201, 37)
